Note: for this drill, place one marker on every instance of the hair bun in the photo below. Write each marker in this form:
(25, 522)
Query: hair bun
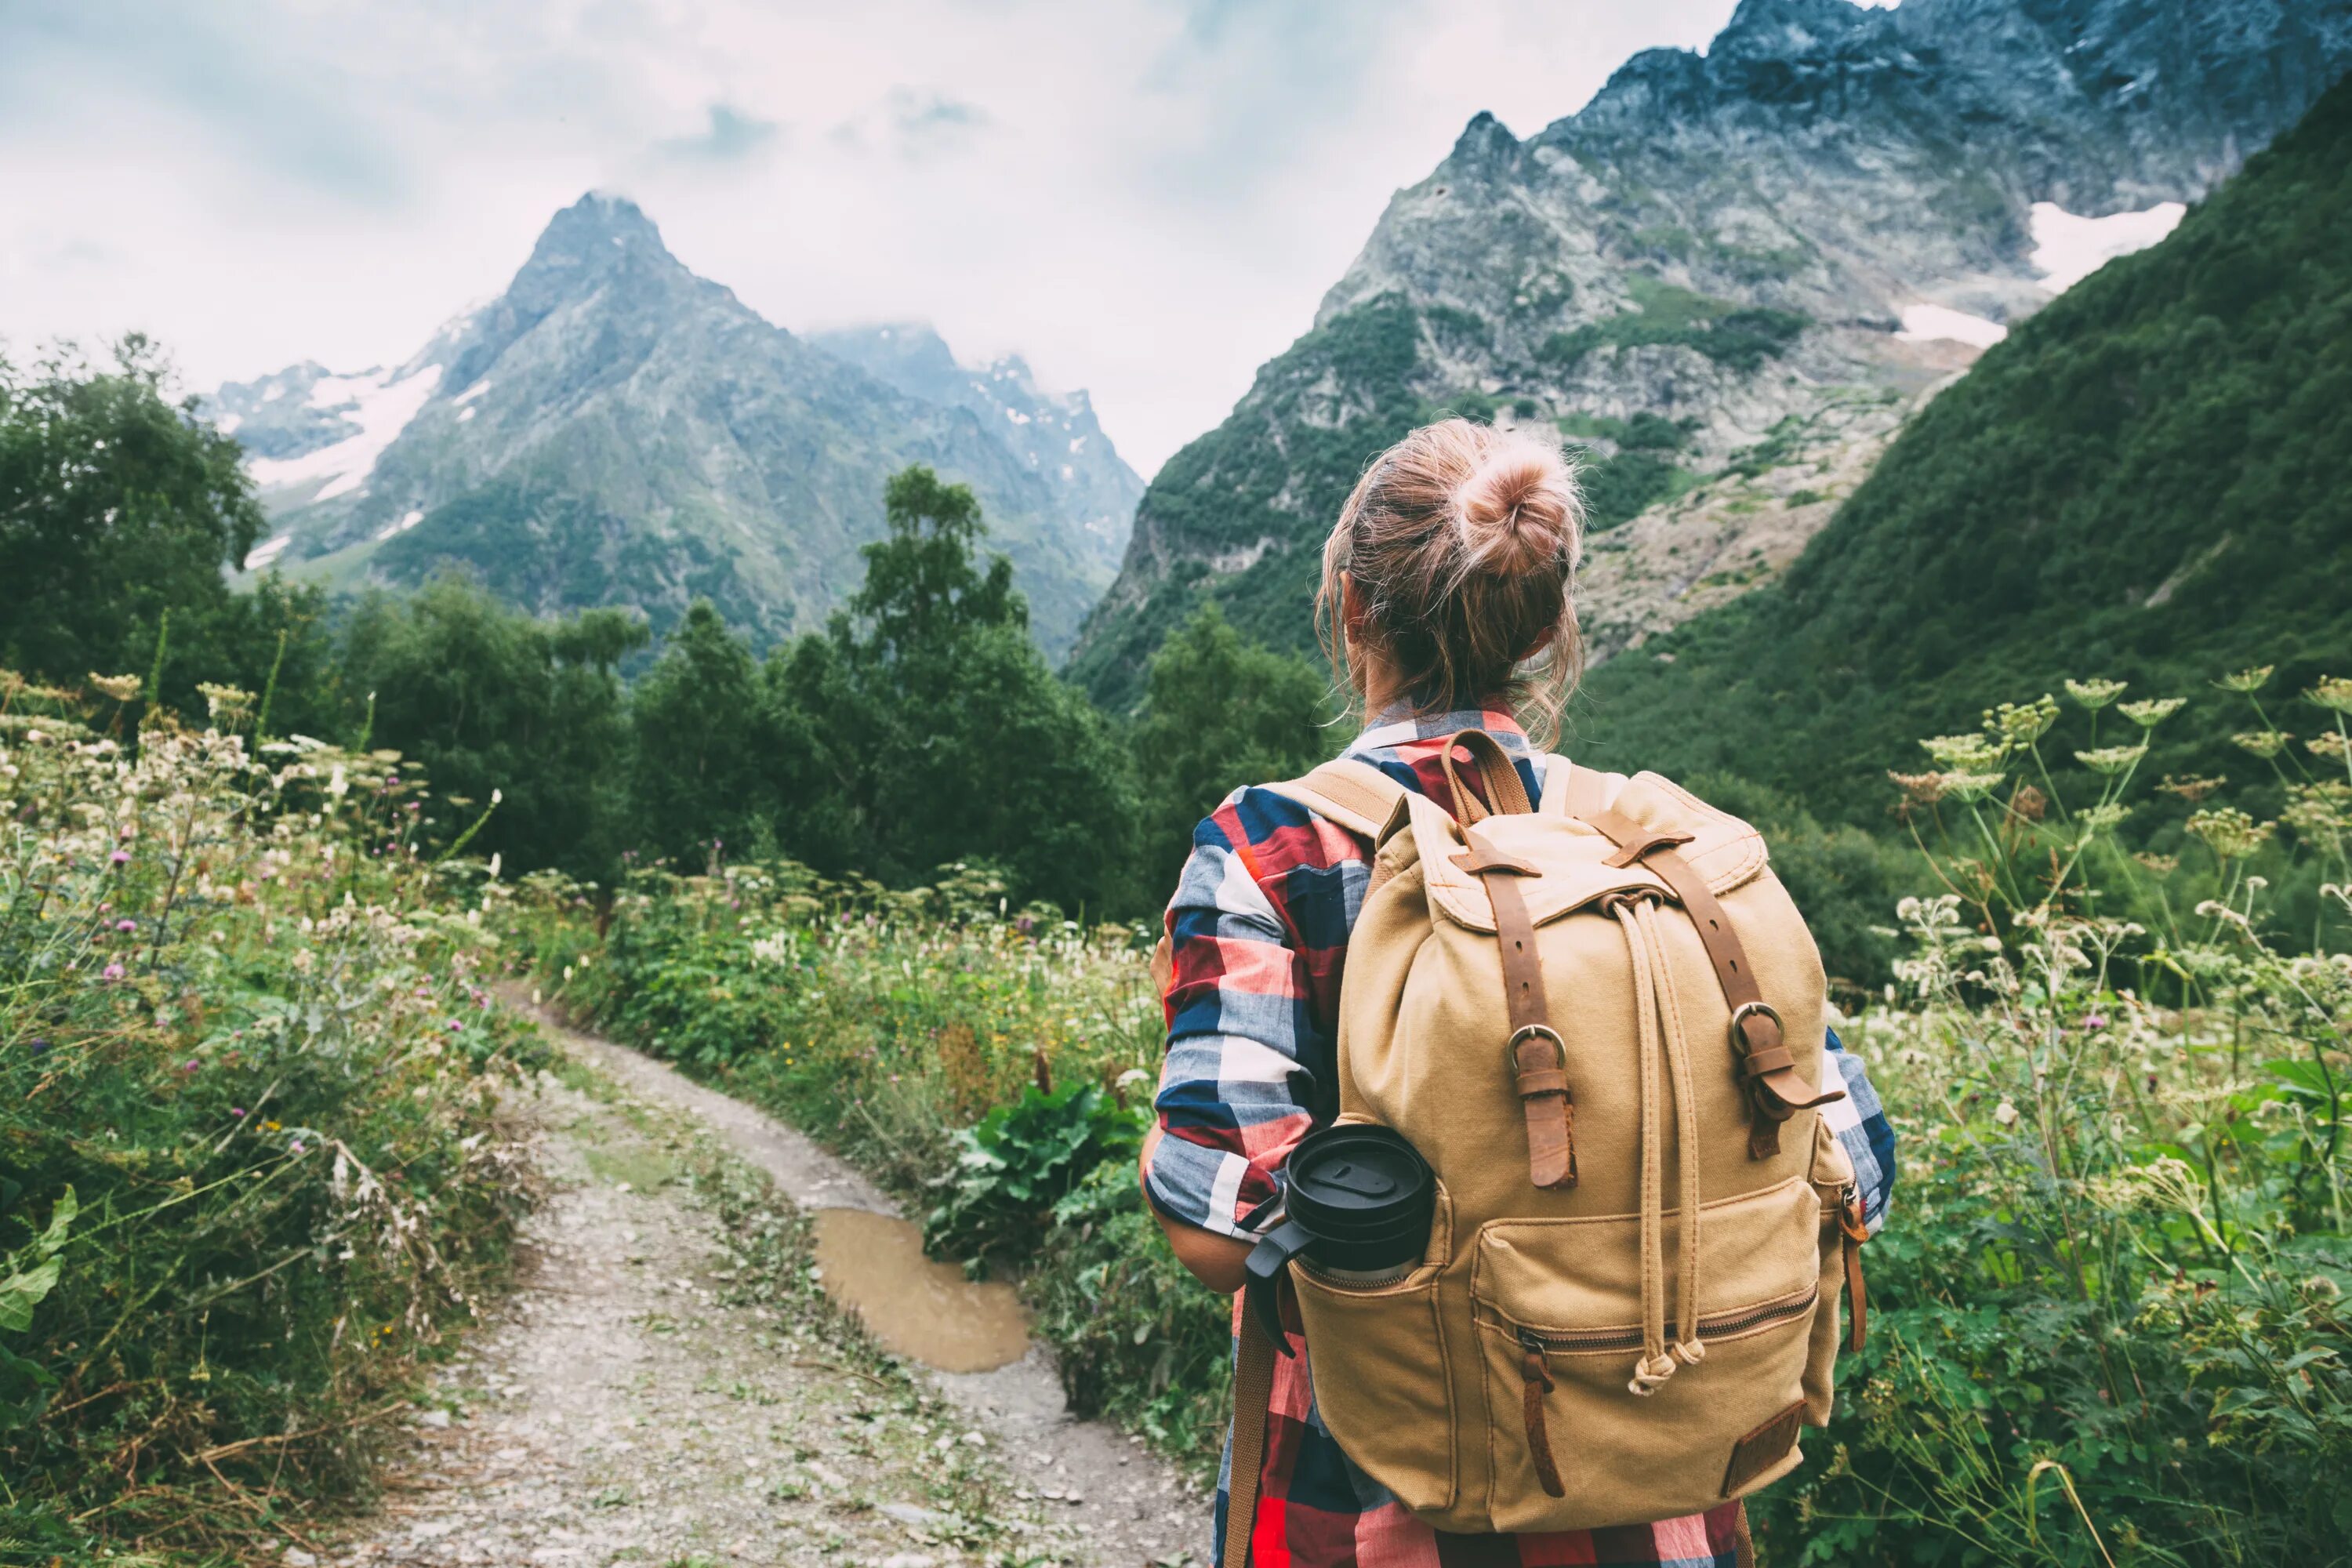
(1520, 510)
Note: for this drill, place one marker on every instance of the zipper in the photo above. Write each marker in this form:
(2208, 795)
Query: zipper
(1718, 1326)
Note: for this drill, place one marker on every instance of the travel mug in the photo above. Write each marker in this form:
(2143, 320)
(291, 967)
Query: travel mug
(1357, 1203)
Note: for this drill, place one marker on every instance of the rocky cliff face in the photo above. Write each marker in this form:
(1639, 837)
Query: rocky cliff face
(614, 429)
(1730, 277)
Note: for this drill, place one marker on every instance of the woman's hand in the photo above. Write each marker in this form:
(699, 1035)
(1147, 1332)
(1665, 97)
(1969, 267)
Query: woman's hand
(1214, 1260)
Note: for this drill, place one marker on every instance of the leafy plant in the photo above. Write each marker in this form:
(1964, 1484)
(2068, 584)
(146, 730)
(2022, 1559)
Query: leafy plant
(1019, 1161)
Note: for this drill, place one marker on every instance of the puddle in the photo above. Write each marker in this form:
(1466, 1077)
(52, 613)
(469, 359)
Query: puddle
(875, 1266)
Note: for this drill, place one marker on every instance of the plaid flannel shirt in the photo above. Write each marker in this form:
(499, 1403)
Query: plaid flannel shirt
(1258, 937)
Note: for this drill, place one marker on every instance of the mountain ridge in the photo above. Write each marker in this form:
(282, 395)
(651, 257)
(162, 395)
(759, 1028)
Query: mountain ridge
(1752, 262)
(613, 428)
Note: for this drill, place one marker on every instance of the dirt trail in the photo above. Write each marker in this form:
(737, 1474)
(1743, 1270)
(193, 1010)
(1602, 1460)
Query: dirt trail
(631, 1402)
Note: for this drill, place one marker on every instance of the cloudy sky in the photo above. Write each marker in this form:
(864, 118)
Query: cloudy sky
(1146, 197)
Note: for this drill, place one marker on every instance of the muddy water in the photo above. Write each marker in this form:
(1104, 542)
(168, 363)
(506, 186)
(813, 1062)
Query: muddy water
(874, 1265)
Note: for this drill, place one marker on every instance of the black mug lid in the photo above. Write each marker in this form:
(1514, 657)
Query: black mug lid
(1350, 1183)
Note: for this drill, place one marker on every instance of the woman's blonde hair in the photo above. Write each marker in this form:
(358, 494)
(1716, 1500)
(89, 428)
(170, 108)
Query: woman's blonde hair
(1462, 542)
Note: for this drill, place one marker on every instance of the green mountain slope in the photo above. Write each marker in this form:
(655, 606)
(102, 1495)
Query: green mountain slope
(2145, 482)
(1730, 276)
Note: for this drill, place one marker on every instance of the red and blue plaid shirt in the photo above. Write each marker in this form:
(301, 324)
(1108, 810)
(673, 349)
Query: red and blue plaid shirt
(1258, 937)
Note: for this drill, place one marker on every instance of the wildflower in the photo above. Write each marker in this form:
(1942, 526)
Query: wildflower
(191, 1067)
(295, 1147)
(1919, 789)
(2148, 715)
(2094, 1020)
(2330, 744)
(2111, 760)
(2094, 694)
(1965, 754)
(120, 858)
(1970, 786)
(2264, 743)
(40, 1045)
(111, 972)
(272, 1127)
(2246, 679)
(2005, 1113)
(121, 688)
(2014, 725)
(224, 702)
(2333, 691)
(126, 925)
(2103, 818)
(237, 1110)
(2229, 832)
(2193, 788)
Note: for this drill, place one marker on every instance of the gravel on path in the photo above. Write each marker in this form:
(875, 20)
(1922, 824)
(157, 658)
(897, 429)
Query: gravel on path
(635, 1400)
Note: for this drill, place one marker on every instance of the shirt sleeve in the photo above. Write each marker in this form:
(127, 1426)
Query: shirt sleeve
(1860, 1122)
(1234, 1091)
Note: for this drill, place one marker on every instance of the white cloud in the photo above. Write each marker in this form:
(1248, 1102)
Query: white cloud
(1144, 197)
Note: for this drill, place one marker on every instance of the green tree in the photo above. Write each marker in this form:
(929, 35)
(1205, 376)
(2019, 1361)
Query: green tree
(487, 698)
(1219, 712)
(923, 725)
(699, 746)
(116, 505)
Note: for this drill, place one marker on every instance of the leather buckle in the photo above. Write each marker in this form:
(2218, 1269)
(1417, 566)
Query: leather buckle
(1511, 1046)
(1742, 1013)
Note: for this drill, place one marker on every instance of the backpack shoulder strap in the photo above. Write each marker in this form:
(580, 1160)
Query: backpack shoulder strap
(1357, 795)
(1571, 791)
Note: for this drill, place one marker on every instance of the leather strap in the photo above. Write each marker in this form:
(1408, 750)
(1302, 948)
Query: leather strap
(1775, 1091)
(1852, 1233)
(1355, 795)
(1253, 1402)
(1535, 1382)
(1743, 1543)
(1539, 1055)
(1504, 791)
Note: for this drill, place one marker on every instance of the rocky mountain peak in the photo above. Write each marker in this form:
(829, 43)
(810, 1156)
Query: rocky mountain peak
(596, 238)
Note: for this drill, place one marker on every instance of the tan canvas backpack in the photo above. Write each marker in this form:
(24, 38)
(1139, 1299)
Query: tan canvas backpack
(1602, 1025)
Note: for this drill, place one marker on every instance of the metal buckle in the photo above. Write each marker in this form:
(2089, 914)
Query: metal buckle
(1740, 1013)
(1511, 1046)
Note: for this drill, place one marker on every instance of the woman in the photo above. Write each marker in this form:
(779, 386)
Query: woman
(1447, 600)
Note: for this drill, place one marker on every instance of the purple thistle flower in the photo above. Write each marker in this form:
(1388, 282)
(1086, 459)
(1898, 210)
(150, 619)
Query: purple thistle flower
(120, 856)
(111, 972)
(237, 1110)
(126, 925)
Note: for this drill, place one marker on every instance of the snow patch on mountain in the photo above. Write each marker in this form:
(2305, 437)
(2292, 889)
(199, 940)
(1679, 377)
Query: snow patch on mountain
(381, 403)
(1923, 323)
(2067, 248)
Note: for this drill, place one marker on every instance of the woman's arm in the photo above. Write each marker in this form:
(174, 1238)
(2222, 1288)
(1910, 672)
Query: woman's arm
(1860, 1122)
(1235, 1085)
(1214, 1260)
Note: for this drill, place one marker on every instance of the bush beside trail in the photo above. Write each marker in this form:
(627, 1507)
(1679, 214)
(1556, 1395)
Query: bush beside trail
(252, 1167)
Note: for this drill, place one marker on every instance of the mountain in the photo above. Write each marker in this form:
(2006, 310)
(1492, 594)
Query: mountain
(2144, 483)
(614, 429)
(1055, 434)
(1731, 277)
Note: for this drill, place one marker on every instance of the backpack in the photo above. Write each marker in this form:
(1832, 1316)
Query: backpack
(1602, 1025)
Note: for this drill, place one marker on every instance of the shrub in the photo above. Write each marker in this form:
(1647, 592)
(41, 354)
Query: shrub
(252, 1163)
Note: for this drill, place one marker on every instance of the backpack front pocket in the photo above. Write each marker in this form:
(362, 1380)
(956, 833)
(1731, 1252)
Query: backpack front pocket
(1559, 1308)
(1382, 1383)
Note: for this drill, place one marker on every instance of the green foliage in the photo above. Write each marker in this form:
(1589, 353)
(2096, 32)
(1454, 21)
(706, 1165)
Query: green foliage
(252, 1165)
(1618, 489)
(1741, 338)
(1019, 1161)
(1220, 713)
(923, 723)
(2142, 482)
(489, 699)
(1138, 1340)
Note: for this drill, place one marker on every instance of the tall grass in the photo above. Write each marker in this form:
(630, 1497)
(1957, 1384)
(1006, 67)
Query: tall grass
(252, 1161)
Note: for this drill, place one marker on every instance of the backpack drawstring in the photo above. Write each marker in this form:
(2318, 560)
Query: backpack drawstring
(1662, 1036)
